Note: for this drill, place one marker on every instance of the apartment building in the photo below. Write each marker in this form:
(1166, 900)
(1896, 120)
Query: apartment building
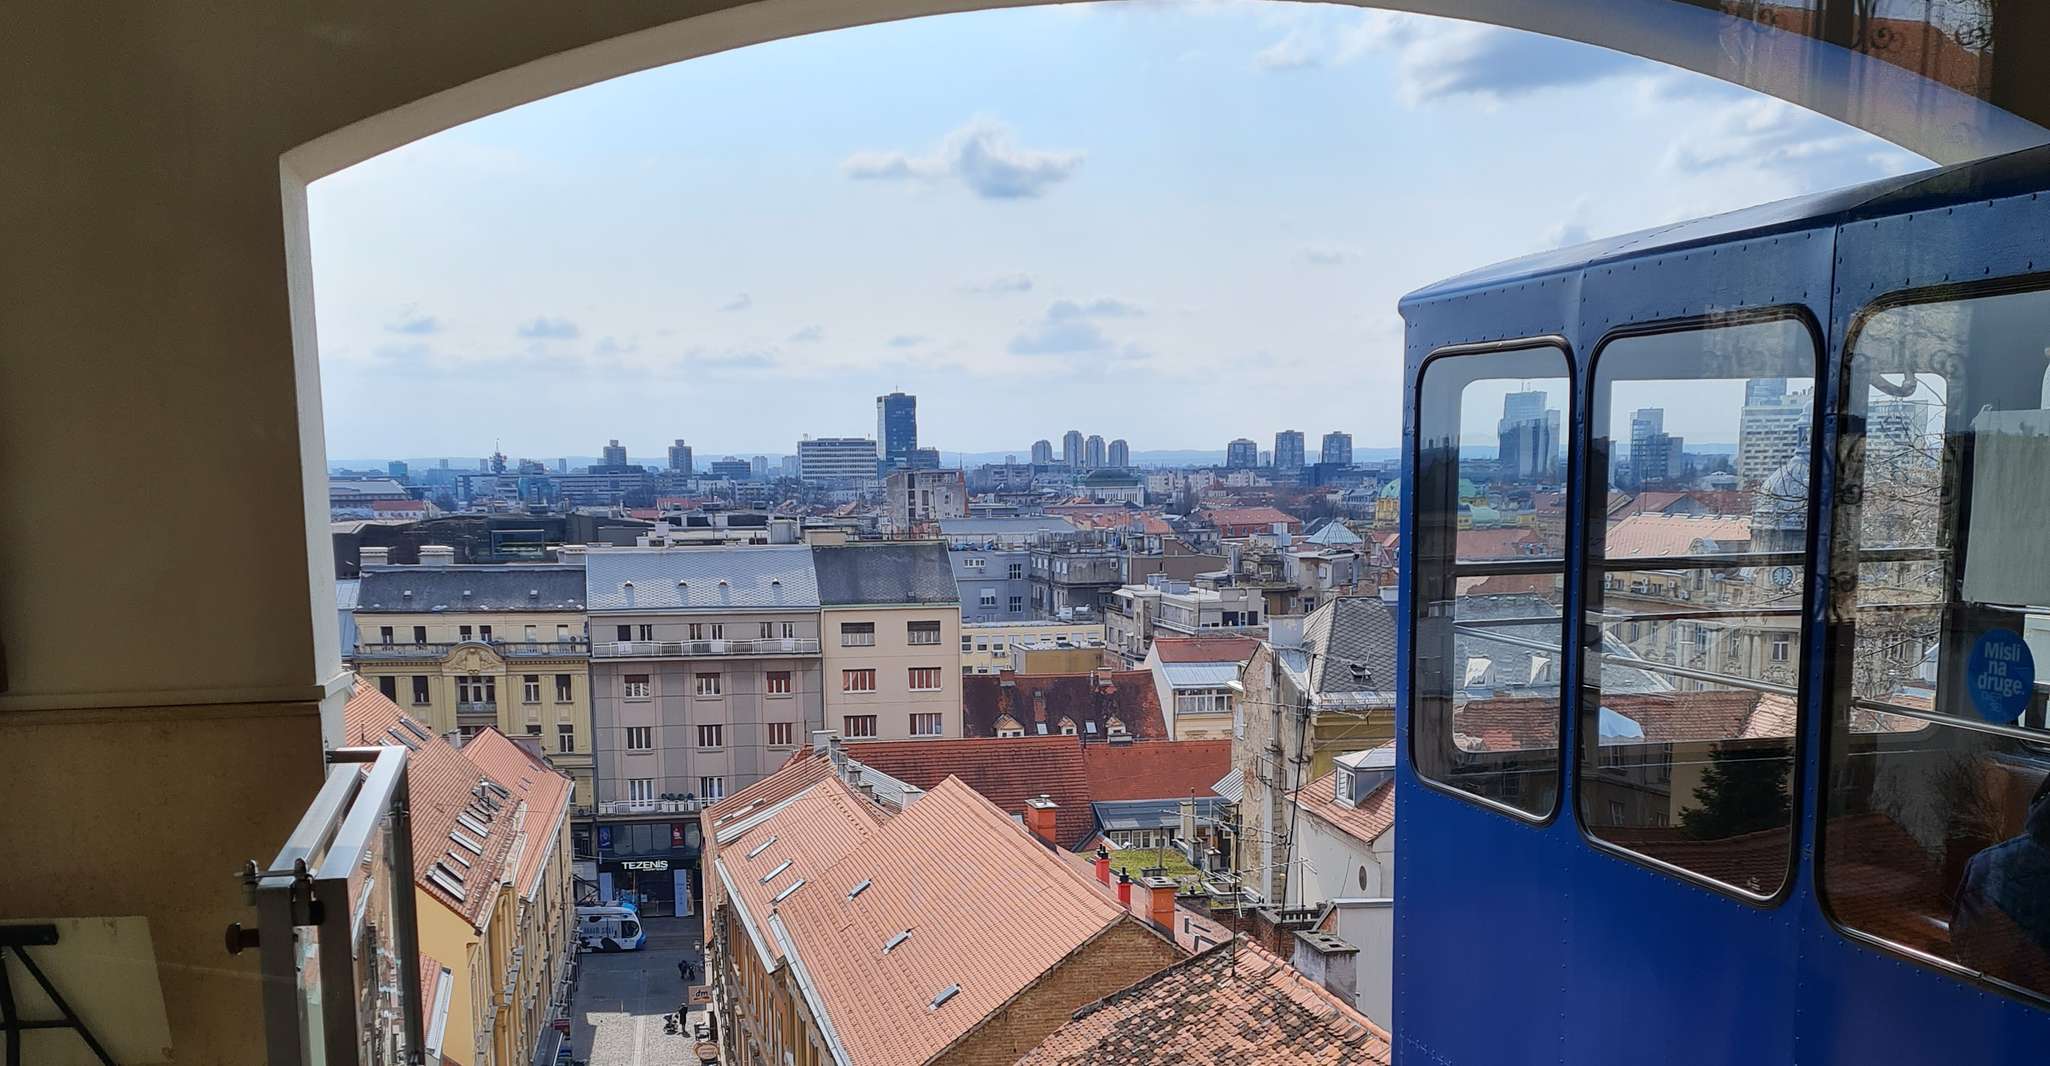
(891, 621)
(1070, 582)
(917, 498)
(986, 646)
(466, 648)
(705, 672)
(491, 854)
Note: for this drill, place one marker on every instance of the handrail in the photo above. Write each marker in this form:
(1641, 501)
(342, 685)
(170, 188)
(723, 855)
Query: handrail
(1647, 665)
(623, 649)
(2013, 732)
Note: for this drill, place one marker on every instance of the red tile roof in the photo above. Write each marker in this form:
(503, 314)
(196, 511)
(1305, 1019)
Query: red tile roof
(442, 784)
(1486, 544)
(1205, 649)
(769, 848)
(1374, 816)
(881, 1005)
(1260, 518)
(1165, 769)
(1652, 534)
(1006, 771)
(541, 793)
(1213, 1008)
(1039, 703)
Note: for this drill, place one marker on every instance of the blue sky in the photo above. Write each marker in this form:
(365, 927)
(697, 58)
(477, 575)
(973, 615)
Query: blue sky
(1172, 223)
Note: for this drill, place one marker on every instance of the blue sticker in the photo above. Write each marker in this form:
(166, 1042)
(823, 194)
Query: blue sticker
(2002, 675)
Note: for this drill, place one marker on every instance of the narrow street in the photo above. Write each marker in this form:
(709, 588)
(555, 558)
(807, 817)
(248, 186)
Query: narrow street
(621, 998)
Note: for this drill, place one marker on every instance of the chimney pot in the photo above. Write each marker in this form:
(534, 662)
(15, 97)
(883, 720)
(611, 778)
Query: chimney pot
(437, 555)
(1103, 865)
(372, 556)
(1125, 889)
(1040, 817)
(1160, 901)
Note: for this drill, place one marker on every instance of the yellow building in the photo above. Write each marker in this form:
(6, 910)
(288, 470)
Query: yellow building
(890, 619)
(986, 646)
(492, 857)
(464, 648)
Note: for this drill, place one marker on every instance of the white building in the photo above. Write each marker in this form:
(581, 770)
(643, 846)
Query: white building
(836, 460)
(920, 496)
(1771, 432)
(1347, 859)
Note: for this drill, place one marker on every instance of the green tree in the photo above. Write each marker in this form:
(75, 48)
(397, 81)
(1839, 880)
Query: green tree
(1740, 792)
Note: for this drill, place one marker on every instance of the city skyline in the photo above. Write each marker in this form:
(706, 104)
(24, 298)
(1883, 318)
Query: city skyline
(1095, 243)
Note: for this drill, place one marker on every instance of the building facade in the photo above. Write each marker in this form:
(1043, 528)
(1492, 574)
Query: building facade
(1336, 449)
(991, 582)
(1071, 449)
(986, 646)
(896, 430)
(836, 460)
(891, 618)
(1288, 450)
(1120, 454)
(1241, 454)
(705, 669)
(917, 497)
(1042, 453)
(466, 647)
(679, 458)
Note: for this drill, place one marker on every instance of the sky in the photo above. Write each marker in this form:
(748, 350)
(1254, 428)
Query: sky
(1175, 223)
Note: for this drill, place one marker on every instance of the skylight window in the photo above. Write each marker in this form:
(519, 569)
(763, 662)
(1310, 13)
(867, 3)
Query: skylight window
(447, 884)
(896, 940)
(416, 728)
(472, 824)
(785, 894)
(946, 994)
(472, 846)
(860, 888)
(780, 867)
(761, 847)
(459, 857)
(409, 742)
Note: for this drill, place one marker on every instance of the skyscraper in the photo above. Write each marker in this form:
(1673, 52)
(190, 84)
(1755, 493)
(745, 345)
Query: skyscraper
(615, 454)
(1120, 454)
(1764, 390)
(836, 460)
(1527, 438)
(1093, 452)
(1337, 448)
(760, 464)
(679, 458)
(1241, 453)
(1771, 429)
(1071, 449)
(896, 429)
(1654, 454)
(396, 469)
(1288, 450)
(1042, 453)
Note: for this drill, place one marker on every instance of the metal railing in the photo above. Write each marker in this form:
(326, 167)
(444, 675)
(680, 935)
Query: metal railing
(662, 806)
(476, 707)
(510, 649)
(703, 649)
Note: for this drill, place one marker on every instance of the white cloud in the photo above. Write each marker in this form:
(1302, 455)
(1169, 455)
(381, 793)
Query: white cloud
(1070, 328)
(808, 335)
(549, 329)
(979, 155)
(740, 302)
(415, 324)
(1437, 59)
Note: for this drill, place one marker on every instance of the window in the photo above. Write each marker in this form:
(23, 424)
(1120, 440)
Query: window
(533, 634)
(925, 725)
(530, 688)
(1017, 605)
(925, 679)
(974, 563)
(566, 739)
(563, 688)
(781, 734)
(640, 789)
(533, 729)
(420, 692)
(1016, 572)
(626, 633)
(857, 680)
(419, 634)
(647, 632)
(384, 635)
(695, 631)
(789, 630)
(857, 634)
(921, 632)
(777, 682)
(463, 632)
(1485, 712)
(636, 686)
(476, 691)
(707, 684)
(711, 788)
(1067, 727)
(1937, 734)
(988, 598)
(1203, 701)
(1666, 734)
(484, 634)
(768, 630)
(640, 738)
(390, 687)
(967, 645)
(859, 725)
(711, 736)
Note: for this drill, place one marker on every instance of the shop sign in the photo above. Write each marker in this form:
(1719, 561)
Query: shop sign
(645, 865)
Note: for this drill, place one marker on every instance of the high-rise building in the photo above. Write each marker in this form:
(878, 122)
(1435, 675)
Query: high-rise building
(396, 469)
(896, 429)
(615, 454)
(1042, 453)
(1288, 450)
(1527, 438)
(1093, 451)
(1241, 453)
(1120, 454)
(679, 458)
(829, 460)
(1336, 449)
(1654, 453)
(732, 469)
(1071, 449)
(761, 467)
(1758, 391)
(1770, 430)
(790, 468)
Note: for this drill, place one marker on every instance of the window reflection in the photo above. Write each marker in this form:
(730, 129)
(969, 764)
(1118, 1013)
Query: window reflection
(1937, 836)
(1491, 531)
(1702, 438)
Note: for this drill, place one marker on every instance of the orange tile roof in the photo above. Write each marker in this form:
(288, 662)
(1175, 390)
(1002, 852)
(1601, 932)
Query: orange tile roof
(442, 784)
(1510, 543)
(1213, 1008)
(1242, 517)
(1650, 533)
(784, 835)
(541, 791)
(1374, 816)
(878, 1004)
(1163, 769)
(1205, 649)
(1006, 771)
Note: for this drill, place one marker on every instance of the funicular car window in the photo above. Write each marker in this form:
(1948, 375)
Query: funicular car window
(1701, 440)
(1492, 430)
(1936, 836)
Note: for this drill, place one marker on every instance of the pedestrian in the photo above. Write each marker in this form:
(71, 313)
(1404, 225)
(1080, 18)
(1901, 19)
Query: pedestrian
(683, 970)
(690, 968)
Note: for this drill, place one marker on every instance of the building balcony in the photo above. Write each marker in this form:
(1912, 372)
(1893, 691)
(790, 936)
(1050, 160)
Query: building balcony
(704, 649)
(627, 808)
(489, 707)
(522, 649)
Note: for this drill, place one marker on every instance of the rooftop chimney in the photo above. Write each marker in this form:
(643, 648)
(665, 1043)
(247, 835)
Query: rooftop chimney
(1039, 817)
(1160, 901)
(1285, 630)
(368, 557)
(1103, 865)
(1331, 961)
(570, 553)
(437, 555)
(1125, 889)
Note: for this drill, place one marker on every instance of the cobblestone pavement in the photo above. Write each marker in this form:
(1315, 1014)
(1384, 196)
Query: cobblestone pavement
(622, 996)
